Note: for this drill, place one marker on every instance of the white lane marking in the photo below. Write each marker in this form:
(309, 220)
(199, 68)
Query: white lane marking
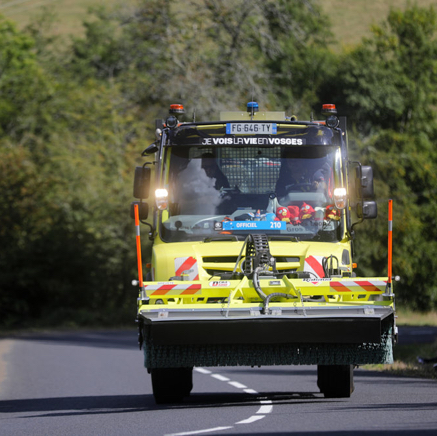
(203, 370)
(237, 385)
(266, 408)
(220, 377)
(208, 430)
(251, 391)
(251, 419)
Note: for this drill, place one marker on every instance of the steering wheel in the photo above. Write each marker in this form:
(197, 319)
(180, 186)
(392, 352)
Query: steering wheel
(300, 187)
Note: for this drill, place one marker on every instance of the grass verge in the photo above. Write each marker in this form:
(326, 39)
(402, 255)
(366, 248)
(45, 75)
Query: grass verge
(408, 317)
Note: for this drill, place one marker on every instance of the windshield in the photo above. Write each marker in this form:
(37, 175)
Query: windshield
(228, 192)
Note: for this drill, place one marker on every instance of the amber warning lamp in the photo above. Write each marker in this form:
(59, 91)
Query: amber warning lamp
(329, 109)
(177, 109)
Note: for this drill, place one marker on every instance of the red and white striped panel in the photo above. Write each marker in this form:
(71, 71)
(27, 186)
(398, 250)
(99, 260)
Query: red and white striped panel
(313, 264)
(359, 285)
(188, 266)
(172, 289)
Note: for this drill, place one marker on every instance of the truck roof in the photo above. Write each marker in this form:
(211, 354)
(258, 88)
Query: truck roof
(305, 133)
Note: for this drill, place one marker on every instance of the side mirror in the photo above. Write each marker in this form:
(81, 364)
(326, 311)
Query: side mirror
(361, 204)
(142, 182)
(143, 210)
(367, 182)
(367, 210)
(152, 148)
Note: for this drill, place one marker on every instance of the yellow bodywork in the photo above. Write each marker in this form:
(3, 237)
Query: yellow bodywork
(209, 290)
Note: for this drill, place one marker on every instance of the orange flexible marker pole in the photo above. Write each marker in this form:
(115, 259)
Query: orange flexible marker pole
(390, 243)
(137, 228)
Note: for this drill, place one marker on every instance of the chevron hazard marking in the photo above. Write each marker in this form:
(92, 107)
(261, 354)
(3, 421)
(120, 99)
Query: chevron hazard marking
(314, 264)
(169, 289)
(188, 266)
(364, 285)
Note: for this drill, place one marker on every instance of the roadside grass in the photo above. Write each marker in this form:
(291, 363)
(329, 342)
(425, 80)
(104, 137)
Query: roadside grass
(408, 317)
(405, 356)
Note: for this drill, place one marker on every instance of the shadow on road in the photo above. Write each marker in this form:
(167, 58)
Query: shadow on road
(65, 406)
(122, 339)
(89, 405)
(100, 405)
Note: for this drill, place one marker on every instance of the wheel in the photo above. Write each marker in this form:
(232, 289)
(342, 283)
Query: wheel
(335, 381)
(171, 385)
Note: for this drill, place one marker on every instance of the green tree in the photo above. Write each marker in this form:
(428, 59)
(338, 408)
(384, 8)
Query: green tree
(65, 189)
(210, 56)
(389, 81)
(388, 88)
(24, 90)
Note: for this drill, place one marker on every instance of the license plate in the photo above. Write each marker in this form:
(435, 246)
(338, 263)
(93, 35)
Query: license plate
(251, 128)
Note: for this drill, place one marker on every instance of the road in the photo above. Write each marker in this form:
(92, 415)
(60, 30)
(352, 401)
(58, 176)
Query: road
(94, 383)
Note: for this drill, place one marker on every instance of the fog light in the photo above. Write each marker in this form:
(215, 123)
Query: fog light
(161, 197)
(340, 198)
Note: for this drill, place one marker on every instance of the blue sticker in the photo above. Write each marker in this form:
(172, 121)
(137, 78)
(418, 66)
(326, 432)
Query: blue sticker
(255, 225)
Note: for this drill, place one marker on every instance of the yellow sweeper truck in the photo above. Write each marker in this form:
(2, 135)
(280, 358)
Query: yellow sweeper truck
(252, 219)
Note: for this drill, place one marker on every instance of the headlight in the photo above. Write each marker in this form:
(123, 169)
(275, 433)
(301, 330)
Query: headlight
(161, 197)
(340, 198)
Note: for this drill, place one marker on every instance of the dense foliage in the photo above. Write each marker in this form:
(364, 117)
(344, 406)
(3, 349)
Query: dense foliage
(388, 87)
(74, 118)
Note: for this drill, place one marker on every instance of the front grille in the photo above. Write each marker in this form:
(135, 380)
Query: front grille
(215, 264)
(224, 259)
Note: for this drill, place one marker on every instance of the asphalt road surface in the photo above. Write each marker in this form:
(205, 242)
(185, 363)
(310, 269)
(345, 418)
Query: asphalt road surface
(94, 383)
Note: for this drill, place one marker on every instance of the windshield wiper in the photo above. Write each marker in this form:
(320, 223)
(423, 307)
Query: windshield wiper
(283, 237)
(221, 238)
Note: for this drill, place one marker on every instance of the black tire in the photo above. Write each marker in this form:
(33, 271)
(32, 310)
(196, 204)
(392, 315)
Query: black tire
(335, 381)
(171, 385)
